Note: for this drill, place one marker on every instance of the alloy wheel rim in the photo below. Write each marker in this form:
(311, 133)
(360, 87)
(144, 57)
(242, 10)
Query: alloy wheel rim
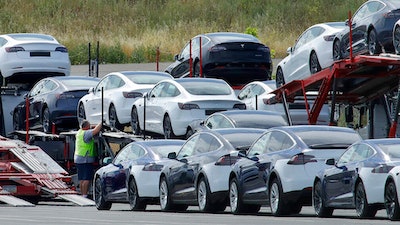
(233, 197)
(163, 195)
(390, 200)
(202, 195)
(132, 195)
(274, 197)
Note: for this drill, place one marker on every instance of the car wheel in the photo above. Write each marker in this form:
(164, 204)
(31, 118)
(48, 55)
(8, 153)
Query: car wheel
(18, 121)
(135, 202)
(204, 196)
(168, 132)
(112, 116)
(46, 123)
(165, 198)
(81, 113)
(396, 39)
(101, 203)
(189, 133)
(337, 50)
(314, 63)
(235, 200)
(373, 45)
(280, 80)
(318, 202)
(391, 201)
(135, 122)
(362, 208)
(277, 205)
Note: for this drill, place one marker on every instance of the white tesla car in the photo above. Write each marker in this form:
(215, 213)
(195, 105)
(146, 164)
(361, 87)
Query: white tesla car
(120, 90)
(311, 53)
(173, 104)
(26, 56)
(257, 96)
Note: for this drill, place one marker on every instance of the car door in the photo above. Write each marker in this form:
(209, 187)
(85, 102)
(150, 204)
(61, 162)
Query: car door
(116, 175)
(37, 100)
(93, 106)
(340, 180)
(359, 25)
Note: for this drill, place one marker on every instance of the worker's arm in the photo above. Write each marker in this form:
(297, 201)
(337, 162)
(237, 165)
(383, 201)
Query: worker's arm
(96, 129)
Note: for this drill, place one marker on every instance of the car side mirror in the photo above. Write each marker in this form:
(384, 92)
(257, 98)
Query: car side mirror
(107, 160)
(91, 90)
(330, 162)
(289, 50)
(242, 153)
(172, 155)
(176, 57)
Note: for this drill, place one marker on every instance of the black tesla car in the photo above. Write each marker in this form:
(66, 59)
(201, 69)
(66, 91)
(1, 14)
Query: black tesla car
(53, 100)
(237, 58)
(372, 28)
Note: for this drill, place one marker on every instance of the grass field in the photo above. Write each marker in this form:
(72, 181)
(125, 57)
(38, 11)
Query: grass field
(130, 31)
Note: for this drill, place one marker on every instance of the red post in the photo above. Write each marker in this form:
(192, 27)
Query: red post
(158, 58)
(27, 120)
(201, 61)
(190, 59)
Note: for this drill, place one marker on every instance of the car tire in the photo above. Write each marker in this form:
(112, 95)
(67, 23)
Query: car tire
(279, 78)
(318, 202)
(396, 40)
(135, 122)
(135, 202)
(337, 50)
(101, 203)
(165, 196)
(373, 45)
(18, 121)
(113, 118)
(81, 112)
(277, 205)
(360, 200)
(204, 196)
(167, 127)
(314, 63)
(235, 200)
(391, 201)
(46, 122)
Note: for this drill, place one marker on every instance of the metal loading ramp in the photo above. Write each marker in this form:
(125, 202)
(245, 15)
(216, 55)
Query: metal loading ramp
(27, 172)
(350, 81)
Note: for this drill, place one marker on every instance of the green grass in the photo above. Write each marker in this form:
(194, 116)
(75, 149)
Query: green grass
(131, 30)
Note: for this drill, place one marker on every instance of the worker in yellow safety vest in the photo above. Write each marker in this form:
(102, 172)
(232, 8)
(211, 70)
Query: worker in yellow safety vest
(85, 154)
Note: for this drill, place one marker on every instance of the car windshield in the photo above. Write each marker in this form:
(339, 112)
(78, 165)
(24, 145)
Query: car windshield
(145, 78)
(163, 150)
(206, 88)
(327, 139)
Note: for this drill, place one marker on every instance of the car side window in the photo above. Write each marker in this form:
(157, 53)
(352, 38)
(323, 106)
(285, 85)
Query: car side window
(156, 91)
(203, 144)
(276, 141)
(246, 92)
(302, 40)
(49, 86)
(188, 148)
(102, 84)
(258, 90)
(260, 146)
(3, 41)
(347, 156)
(114, 82)
(169, 90)
(36, 89)
(185, 52)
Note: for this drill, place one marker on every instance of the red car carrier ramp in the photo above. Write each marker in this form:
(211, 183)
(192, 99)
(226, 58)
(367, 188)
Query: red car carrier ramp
(348, 81)
(27, 172)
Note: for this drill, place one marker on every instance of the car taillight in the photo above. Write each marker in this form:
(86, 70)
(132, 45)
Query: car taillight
(329, 37)
(152, 167)
(132, 94)
(239, 106)
(62, 49)
(382, 169)
(227, 160)
(15, 49)
(301, 159)
(188, 106)
(218, 49)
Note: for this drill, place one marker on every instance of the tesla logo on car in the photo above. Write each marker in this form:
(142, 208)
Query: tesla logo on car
(242, 45)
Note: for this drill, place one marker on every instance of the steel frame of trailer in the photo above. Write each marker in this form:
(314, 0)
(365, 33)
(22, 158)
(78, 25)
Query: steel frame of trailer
(351, 81)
